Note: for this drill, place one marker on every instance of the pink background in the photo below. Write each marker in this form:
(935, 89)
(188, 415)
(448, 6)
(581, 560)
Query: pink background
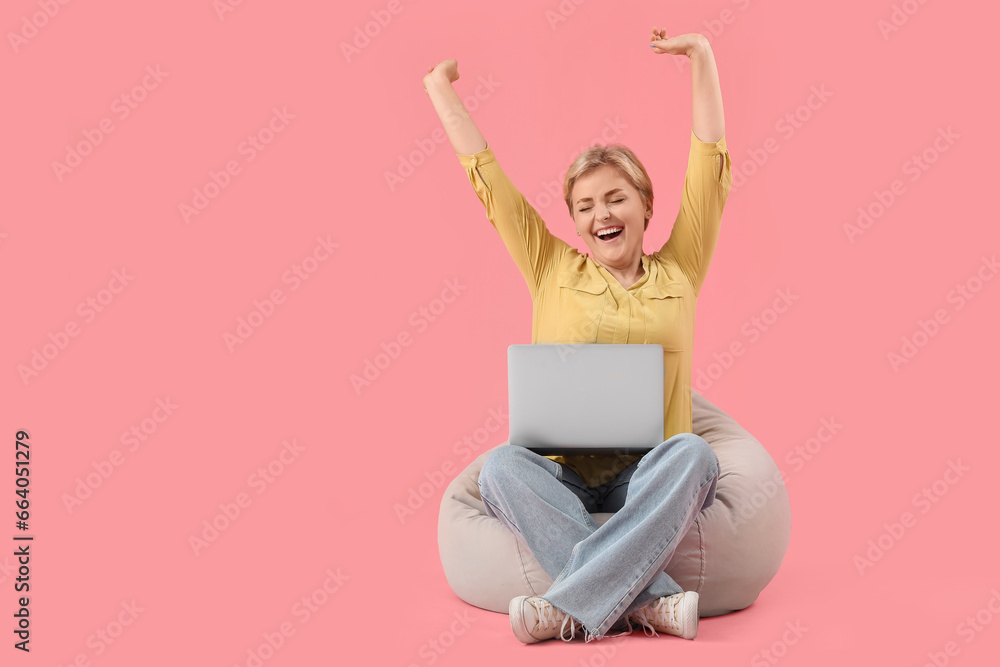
(332, 506)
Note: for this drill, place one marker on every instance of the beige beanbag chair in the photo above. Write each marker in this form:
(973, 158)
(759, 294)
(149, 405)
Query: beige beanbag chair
(729, 555)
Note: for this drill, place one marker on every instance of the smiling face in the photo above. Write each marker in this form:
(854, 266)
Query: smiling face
(602, 199)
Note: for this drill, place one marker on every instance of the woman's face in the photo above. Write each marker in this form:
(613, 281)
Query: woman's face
(604, 198)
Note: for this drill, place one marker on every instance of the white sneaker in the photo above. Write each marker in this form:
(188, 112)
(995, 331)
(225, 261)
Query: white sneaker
(673, 615)
(533, 619)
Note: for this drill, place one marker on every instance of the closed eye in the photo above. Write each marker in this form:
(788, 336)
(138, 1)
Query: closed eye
(617, 201)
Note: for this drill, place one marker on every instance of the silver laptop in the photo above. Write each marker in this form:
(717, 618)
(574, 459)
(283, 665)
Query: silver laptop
(589, 398)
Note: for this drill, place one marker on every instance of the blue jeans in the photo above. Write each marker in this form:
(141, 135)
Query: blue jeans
(600, 575)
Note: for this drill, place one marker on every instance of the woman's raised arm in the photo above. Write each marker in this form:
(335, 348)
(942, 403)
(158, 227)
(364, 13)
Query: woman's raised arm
(709, 172)
(465, 137)
(534, 249)
(708, 120)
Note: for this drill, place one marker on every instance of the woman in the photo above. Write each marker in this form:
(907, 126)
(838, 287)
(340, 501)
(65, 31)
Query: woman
(607, 577)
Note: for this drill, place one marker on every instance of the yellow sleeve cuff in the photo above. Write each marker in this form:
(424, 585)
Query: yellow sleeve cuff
(708, 147)
(482, 157)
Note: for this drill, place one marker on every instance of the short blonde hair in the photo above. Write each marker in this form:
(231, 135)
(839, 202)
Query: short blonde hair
(622, 159)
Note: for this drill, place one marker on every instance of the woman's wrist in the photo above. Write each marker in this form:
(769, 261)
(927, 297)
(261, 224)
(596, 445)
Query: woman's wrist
(435, 79)
(699, 46)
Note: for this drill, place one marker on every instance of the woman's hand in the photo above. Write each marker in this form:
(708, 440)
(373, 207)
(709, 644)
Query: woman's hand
(681, 45)
(462, 132)
(448, 69)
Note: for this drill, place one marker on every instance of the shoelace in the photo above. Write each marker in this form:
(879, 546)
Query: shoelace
(654, 612)
(548, 615)
(572, 629)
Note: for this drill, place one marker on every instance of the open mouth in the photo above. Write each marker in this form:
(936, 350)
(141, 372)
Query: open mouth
(613, 235)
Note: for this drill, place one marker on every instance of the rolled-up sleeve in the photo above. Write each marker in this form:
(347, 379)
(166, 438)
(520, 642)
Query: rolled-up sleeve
(707, 183)
(533, 248)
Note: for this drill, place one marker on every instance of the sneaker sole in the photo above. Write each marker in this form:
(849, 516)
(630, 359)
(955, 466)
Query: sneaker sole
(690, 618)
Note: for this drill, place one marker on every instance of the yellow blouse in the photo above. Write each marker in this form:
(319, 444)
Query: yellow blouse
(578, 301)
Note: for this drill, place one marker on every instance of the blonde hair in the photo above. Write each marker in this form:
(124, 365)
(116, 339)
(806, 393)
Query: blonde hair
(622, 159)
